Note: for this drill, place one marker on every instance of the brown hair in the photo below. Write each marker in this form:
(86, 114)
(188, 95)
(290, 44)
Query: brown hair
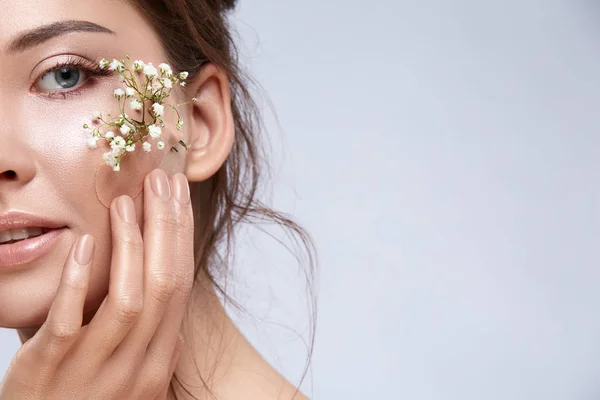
(195, 32)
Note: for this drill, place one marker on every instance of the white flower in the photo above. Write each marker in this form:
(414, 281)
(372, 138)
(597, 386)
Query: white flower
(138, 65)
(111, 160)
(118, 143)
(165, 69)
(150, 71)
(158, 109)
(159, 82)
(154, 131)
(92, 142)
(195, 100)
(116, 65)
(125, 129)
(117, 151)
(135, 105)
(167, 83)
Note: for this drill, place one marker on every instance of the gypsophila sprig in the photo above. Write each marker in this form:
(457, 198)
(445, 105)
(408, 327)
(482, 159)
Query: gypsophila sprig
(145, 90)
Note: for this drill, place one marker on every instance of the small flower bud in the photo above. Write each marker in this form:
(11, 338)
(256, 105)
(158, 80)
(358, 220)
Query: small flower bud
(165, 69)
(154, 131)
(158, 109)
(125, 129)
(135, 105)
(92, 142)
(116, 65)
(138, 65)
(150, 71)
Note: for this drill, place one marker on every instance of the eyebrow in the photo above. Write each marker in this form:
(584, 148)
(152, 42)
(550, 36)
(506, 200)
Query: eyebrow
(44, 33)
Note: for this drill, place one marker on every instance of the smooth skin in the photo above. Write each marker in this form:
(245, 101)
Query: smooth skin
(131, 347)
(132, 296)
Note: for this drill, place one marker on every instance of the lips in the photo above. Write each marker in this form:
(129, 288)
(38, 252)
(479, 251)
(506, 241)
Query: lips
(16, 234)
(28, 250)
(31, 237)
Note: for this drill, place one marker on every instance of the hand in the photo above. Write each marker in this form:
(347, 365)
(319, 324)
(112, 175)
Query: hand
(130, 348)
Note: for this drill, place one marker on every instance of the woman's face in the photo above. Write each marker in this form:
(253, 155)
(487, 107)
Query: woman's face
(46, 169)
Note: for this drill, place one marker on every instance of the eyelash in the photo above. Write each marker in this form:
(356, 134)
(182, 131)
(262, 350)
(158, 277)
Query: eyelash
(91, 69)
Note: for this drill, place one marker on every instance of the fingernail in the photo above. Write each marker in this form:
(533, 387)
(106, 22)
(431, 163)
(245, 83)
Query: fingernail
(84, 250)
(126, 209)
(160, 184)
(181, 189)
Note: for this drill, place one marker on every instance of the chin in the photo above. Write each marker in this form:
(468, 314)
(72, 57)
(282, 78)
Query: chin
(24, 310)
(26, 299)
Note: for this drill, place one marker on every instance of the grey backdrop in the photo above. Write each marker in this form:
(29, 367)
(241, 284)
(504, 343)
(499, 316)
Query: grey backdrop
(444, 154)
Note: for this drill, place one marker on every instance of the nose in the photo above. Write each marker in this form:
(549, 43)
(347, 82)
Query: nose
(17, 167)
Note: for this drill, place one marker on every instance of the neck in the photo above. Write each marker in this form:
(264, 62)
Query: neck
(218, 362)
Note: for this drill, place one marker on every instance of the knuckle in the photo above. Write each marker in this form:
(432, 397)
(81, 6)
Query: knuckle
(185, 285)
(129, 308)
(186, 221)
(166, 221)
(156, 380)
(163, 286)
(61, 332)
(131, 241)
(76, 283)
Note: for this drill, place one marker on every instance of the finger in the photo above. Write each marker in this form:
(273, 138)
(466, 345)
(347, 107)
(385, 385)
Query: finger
(160, 235)
(62, 326)
(124, 302)
(165, 338)
(174, 360)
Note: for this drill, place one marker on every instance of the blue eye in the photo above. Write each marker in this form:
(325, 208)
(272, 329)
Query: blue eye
(61, 79)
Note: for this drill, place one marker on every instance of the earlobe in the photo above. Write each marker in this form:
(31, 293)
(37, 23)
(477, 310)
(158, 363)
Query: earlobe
(211, 126)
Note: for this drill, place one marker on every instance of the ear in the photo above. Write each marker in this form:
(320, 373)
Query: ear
(211, 126)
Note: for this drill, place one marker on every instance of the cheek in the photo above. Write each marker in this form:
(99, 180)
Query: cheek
(134, 168)
(82, 169)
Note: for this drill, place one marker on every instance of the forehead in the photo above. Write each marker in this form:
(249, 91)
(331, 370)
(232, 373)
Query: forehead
(19, 17)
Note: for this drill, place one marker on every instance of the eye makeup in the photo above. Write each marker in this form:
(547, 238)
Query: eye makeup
(80, 66)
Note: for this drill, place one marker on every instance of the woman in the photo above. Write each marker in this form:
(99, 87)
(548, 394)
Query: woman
(140, 243)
